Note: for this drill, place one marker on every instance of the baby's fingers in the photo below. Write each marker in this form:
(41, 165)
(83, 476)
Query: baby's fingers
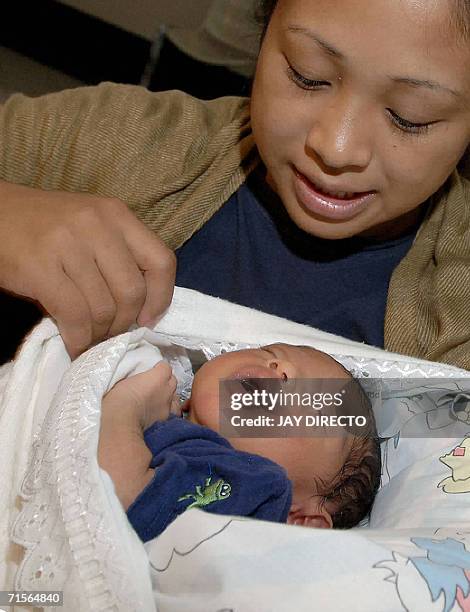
(156, 385)
(161, 372)
(176, 407)
(159, 393)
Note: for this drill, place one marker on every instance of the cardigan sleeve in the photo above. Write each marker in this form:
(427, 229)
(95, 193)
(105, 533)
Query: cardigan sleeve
(119, 141)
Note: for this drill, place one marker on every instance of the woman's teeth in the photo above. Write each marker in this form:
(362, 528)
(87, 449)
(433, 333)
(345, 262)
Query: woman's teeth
(341, 195)
(330, 204)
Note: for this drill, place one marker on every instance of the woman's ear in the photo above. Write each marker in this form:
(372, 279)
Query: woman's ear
(310, 513)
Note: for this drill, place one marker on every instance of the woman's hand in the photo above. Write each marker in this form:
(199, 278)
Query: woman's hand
(90, 263)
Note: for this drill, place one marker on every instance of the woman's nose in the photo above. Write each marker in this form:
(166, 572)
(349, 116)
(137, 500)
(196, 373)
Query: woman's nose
(340, 137)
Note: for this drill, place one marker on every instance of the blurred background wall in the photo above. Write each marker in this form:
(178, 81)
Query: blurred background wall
(47, 45)
(143, 17)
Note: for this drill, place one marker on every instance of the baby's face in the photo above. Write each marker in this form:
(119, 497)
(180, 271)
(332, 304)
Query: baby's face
(303, 458)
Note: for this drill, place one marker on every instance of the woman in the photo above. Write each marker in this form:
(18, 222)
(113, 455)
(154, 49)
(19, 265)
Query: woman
(358, 119)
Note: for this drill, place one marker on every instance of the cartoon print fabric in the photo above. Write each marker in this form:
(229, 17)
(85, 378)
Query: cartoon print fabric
(458, 460)
(361, 570)
(443, 575)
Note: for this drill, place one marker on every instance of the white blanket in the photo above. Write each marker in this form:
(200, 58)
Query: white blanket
(72, 527)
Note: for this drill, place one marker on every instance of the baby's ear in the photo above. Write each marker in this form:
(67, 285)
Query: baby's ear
(310, 513)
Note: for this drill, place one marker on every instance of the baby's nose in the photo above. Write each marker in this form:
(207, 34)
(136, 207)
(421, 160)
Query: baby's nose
(283, 368)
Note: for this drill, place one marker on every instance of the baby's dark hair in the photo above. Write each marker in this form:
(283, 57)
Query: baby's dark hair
(349, 498)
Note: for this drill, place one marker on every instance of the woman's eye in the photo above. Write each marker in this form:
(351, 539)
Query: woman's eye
(409, 126)
(303, 81)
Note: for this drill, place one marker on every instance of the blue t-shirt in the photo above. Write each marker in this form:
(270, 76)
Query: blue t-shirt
(251, 253)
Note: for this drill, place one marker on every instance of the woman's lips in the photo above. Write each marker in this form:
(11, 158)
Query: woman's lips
(327, 206)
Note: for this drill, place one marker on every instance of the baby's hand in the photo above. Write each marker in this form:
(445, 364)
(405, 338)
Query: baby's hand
(147, 397)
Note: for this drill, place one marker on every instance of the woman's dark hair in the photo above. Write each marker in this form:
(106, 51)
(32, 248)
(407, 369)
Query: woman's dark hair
(461, 17)
(264, 13)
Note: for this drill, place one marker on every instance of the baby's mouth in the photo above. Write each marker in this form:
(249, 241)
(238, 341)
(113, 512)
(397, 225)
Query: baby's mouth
(258, 387)
(250, 384)
(254, 380)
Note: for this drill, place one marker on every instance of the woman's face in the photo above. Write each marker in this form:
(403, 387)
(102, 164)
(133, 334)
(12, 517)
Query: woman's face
(368, 97)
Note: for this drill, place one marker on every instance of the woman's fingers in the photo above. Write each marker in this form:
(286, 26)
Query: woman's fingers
(158, 266)
(81, 267)
(88, 260)
(63, 300)
(124, 280)
(122, 286)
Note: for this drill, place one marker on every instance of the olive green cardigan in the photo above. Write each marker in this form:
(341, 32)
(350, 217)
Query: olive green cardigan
(175, 160)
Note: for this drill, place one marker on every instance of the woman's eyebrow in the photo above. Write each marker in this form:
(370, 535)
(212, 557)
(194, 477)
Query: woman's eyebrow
(432, 85)
(313, 36)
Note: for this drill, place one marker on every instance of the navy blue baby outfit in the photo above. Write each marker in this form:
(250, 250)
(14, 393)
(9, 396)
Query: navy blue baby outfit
(196, 467)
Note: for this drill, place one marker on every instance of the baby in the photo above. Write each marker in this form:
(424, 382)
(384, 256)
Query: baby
(332, 480)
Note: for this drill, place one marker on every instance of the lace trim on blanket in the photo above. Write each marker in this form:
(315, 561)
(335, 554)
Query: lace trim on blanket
(65, 525)
(359, 367)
